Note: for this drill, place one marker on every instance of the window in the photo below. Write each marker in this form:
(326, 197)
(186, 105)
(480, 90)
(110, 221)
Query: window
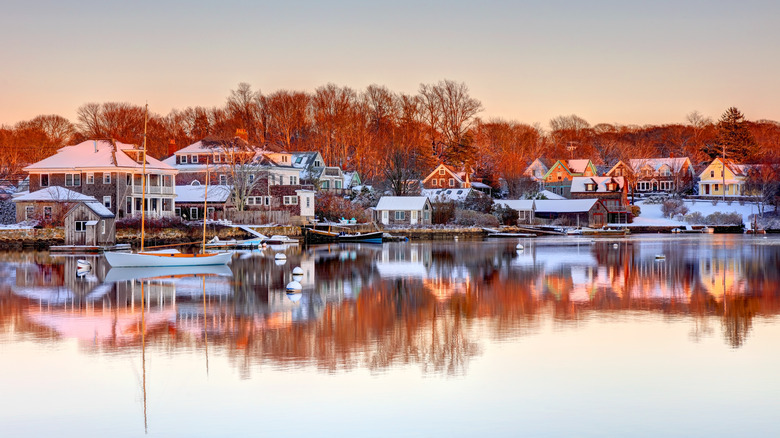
(107, 178)
(435, 182)
(452, 182)
(325, 185)
(91, 178)
(47, 212)
(210, 212)
(712, 174)
(338, 183)
(308, 201)
(317, 163)
(441, 171)
(290, 200)
(45, 180)
(178, 211)
(182, 159)
(81, 226)
(298, 160)
(400, 215)
(72, 179)
(667, 185)
(193, 212)
(216, 158)
(715, 187)
(194, 159)
(250, 200)
(251, 179)
(103, 227)
(267, 200)
(128, 205)
(107, 201)
(29, 211)
(223, 180)
(293, 180)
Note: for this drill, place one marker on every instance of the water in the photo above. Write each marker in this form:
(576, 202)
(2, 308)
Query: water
(568, 337)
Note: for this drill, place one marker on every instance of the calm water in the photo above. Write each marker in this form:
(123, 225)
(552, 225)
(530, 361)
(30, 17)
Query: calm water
(567, 337)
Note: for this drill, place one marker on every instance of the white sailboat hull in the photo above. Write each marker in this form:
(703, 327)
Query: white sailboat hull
(118, 259)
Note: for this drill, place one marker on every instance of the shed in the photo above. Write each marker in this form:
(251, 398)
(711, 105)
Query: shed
(90, 223)
(403, 210)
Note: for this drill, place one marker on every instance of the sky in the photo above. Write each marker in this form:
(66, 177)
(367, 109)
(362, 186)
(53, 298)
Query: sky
(619, 62)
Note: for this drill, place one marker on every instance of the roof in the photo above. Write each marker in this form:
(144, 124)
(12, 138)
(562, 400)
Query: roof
(675, 164)
(304, 159)
(518, 204)
(196, 193)
(99, 209)
(577, 166)
(550, 195)
(97, 154)
(401, 203)
(565, 205)
(578, 183)
(735, 168)
(55, 194)
(446, 195)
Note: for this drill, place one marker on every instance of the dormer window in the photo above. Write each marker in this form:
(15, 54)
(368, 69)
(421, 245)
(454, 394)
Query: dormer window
(194, 159)
(590, 187)
(182, 159)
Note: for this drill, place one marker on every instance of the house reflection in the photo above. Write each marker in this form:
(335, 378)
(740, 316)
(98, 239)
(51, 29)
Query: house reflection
(377, 305)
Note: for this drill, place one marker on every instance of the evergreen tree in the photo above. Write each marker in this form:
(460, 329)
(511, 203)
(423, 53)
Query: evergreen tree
(734, 136)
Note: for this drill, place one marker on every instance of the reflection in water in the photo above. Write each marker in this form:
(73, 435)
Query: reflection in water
(376, 306)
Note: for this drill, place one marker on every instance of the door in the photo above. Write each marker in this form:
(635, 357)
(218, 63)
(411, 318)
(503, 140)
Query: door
(414, 217)
(385, 217)
(706, 189)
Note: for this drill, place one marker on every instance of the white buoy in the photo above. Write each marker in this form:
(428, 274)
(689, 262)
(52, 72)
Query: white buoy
(294, 286)
(297, 270)
(280, 256)
(519, 247)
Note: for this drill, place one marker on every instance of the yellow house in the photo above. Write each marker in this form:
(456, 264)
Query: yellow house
(716, 176)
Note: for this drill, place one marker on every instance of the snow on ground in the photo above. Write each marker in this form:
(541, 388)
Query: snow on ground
(651, 213)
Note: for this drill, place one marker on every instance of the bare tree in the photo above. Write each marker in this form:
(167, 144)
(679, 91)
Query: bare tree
(288, 117)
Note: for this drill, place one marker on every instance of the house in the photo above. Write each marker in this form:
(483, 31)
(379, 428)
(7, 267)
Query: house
(655, 174)
(48, 205)
(611, 191)
(111, 172)
(352, 180)
(190, 201)
(458, 196)
(403, 210)
(445, 176)
(723, 173)
(558, 177)
(525, 208)
(90, 223)
(536, 170)
(582, 212)
(232, 161)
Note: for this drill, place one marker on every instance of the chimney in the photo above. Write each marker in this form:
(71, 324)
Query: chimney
(94, 142)
(242, 134)
(172, 147)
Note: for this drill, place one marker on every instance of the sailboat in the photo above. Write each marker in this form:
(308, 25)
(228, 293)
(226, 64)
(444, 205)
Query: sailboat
(167, 257)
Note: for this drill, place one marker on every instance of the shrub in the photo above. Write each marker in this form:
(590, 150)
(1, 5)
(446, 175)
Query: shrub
(695, 218)
(506, 215)
(719, 218)
(442, 212)
(334, 207)
(472, 218)
(152, 223)
(635, 210)
(479, 202)
(673, 207)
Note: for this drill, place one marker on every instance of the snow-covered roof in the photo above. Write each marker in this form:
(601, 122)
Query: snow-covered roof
(675, 164)
(479, 185)
(349, 178)
(401, 203)
(446, 195)
(304, 159)
(564, 205)
(578, 183)
(56, 194)
(517, 204)
(99, 209)
(577, 166)
(550, 195)
(97, 154)
(196, 193)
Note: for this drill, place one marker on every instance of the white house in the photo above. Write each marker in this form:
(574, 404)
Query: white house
(403, 210)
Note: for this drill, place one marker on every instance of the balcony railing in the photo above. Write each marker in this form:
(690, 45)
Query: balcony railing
(154, 190)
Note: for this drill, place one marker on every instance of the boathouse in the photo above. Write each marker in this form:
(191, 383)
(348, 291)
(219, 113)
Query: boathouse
(90, 223)
(403, 210)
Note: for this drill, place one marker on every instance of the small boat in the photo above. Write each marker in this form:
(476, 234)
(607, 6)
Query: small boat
(127, 274)
(83, 265)
(166, 258)
(660, 257)
(687, 229)
(493, 233)
(280, 240)
(375, 237)
(310, 235)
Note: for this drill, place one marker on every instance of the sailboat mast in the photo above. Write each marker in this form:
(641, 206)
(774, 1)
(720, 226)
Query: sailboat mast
(205, 209)
(143, 182)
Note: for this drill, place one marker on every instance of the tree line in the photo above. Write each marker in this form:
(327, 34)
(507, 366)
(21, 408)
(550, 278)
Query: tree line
(389, 135)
